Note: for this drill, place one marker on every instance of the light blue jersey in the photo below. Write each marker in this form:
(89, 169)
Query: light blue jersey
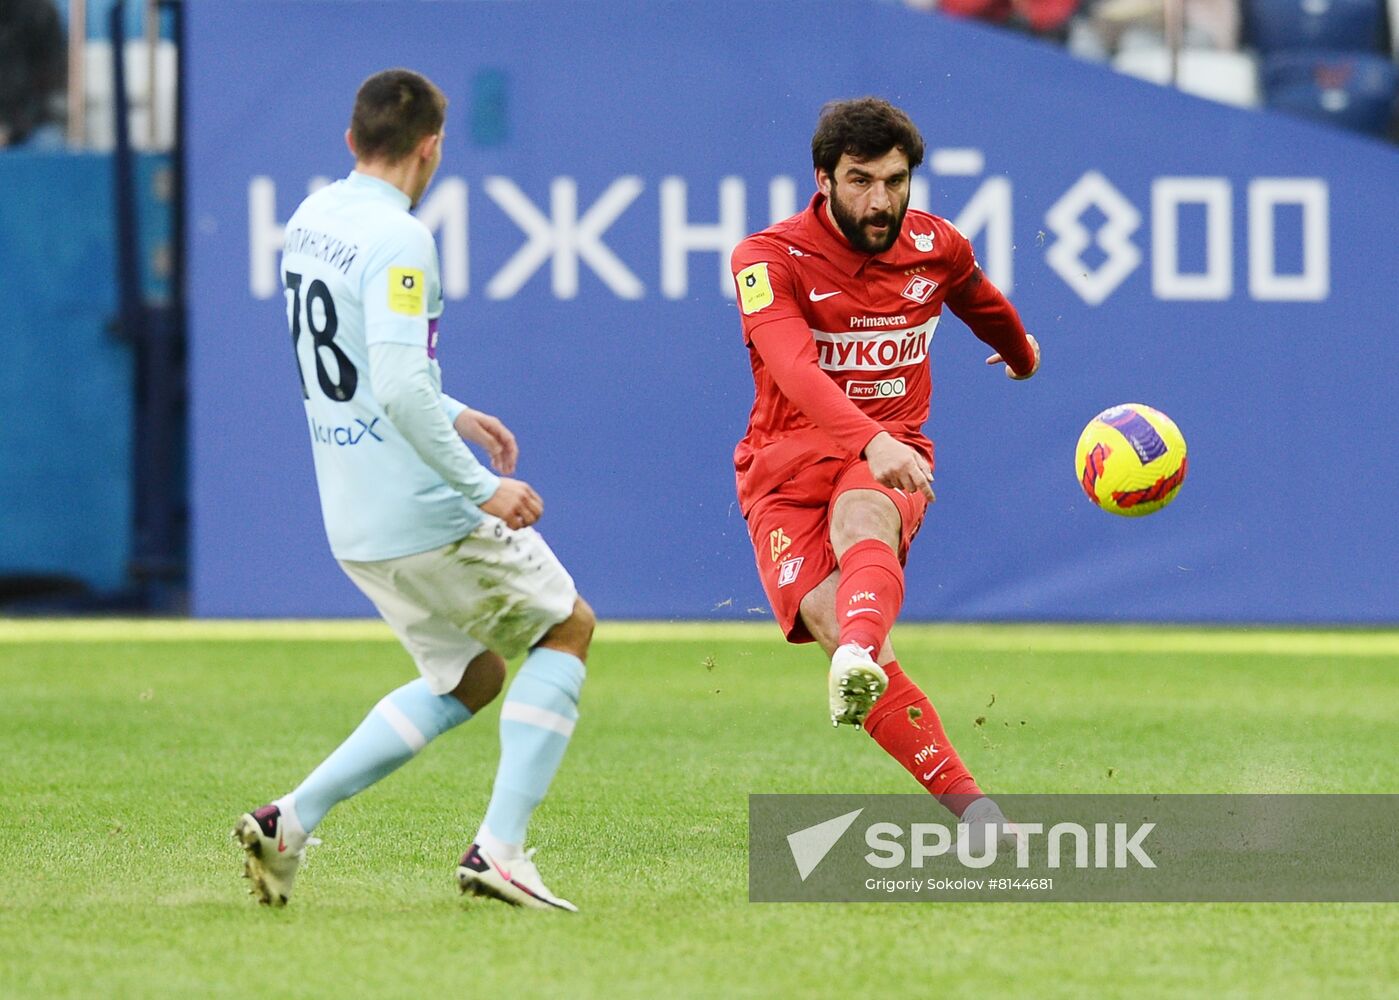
(359, 270)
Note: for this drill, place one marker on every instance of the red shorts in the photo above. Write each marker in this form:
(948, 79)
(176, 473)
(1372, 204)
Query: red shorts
(791, 533)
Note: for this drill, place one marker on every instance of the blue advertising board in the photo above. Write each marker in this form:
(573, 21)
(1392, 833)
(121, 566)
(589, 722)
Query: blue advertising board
(67, 383)
(1231, 268)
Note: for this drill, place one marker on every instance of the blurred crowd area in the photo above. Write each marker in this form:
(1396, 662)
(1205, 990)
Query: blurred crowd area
(57, 71)
(1329, 60)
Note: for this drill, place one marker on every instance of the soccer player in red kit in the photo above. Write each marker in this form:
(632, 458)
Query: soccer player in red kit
(839, 304)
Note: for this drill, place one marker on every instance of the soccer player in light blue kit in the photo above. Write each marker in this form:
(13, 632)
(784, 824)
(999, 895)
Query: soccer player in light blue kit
(442, 546)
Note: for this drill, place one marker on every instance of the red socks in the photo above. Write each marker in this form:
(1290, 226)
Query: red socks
(869, 595)
(903, 721)
(905, 724)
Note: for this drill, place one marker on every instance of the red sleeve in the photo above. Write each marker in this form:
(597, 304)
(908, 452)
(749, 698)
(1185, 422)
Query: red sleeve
(766, 285)
(789, 355)
(989, 314)
(768, 301)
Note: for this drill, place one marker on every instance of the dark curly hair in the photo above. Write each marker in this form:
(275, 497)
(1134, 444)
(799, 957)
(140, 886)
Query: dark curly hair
(866, 128)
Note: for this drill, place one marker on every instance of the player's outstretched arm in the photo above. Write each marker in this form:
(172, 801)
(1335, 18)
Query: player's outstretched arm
(515, 503)
(994, 320)
(899, 467)
(402, 381)
(487, 431)
(490, 433)
(996, 359)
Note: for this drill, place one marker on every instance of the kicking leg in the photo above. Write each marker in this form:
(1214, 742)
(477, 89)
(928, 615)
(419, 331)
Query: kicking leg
(864, 533)
(902, 720)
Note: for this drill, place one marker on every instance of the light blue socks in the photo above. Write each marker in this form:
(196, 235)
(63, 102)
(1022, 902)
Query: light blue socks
(404, 721)
(536, 722)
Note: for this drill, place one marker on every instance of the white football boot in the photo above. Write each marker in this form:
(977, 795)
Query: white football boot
(516, 881)
(983, 820)
(271, 861)
(855, 684)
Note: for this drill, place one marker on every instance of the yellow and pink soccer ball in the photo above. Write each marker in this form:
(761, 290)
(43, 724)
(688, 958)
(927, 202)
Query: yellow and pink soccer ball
(1131, 460)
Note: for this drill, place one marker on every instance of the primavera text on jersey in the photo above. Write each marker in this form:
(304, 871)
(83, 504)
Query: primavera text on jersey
(849, 332)
(871, 318)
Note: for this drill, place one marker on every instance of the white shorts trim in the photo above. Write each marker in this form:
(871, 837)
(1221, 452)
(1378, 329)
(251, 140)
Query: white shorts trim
(495, 589)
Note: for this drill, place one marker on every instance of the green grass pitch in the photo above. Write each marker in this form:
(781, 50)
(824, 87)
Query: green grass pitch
(129, 749)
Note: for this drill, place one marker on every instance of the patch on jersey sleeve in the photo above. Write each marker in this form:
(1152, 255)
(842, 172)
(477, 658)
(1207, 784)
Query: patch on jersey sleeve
(754, 288)
(406, 290)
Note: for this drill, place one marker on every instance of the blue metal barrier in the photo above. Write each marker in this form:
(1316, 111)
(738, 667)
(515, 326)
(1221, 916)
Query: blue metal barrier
(65, 380)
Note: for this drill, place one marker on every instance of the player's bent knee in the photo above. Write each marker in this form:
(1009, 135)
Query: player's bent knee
(822, 626)
(817, 611)
(575, 633)
(492, 680)
(857, 518)
(481, 682)
(822, 629)
(583, 612)
(582, 622)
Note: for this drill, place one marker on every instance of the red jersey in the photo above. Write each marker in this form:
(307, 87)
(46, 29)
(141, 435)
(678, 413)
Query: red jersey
(842, 338)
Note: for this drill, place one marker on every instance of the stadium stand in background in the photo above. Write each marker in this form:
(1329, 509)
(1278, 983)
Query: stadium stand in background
(31, 73)
(56, 74)
(1328, 60)
(1048, 19)
(150, 65)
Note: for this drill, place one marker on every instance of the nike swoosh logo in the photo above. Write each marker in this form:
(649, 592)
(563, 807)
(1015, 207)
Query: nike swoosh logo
(823, 295)
(501, 871)
(281, 843)
(931, 774)
(861, 611)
